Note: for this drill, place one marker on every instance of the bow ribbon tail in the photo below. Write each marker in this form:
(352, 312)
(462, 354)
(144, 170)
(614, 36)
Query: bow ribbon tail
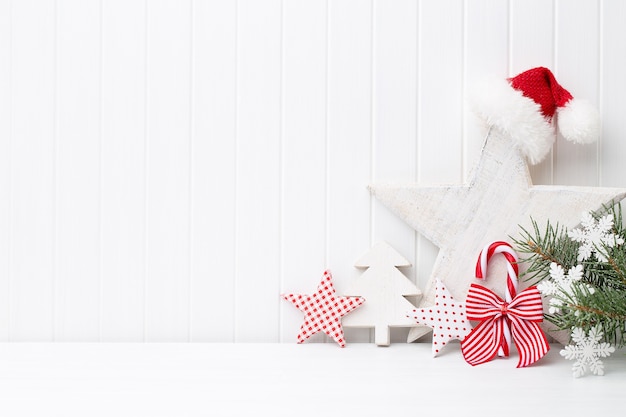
(530, 341)
(504, 349)
(526, 314)
(482, 343)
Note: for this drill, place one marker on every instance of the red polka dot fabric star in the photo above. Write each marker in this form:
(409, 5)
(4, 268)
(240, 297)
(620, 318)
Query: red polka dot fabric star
(447, 318)
(323, 310)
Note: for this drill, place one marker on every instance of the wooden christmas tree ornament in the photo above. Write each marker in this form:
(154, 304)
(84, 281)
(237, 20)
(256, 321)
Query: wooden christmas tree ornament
(385, 288)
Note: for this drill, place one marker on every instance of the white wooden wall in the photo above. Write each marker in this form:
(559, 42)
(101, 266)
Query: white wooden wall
(168, 167)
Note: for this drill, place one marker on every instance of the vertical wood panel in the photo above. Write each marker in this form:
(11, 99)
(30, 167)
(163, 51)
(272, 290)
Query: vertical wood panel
(32, 171)
(532, 45)
(258, 171)
(168, 159)
(577, 70)
(532, 35)
(612, 88)
(486, 54)
(349, 140)
(213, 170)
(394, 132)
(228, 156)
(123, 169)
(440, 107)
(5, 165)
(303, 190)
(78, 171)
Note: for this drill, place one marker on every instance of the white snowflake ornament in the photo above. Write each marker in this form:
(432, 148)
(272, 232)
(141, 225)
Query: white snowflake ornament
(562, 285)
(594, 235)
(587, 351)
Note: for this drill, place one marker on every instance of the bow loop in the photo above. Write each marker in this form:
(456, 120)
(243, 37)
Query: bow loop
(528, 305)
(482, 303)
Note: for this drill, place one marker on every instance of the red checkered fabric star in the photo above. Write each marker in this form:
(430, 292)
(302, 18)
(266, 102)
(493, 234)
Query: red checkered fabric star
(323, 310)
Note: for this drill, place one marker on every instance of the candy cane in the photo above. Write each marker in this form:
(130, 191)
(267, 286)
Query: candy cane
(485, 256)
(511, 279)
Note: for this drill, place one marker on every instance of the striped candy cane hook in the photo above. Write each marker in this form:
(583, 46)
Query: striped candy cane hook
(511, 265)
(511, 279)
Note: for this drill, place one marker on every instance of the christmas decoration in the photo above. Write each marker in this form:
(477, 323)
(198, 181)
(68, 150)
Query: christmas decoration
(323, 310)
(593, 291)
(498, 198)
(499, 320)
(499, 195)
(446, 317)
(561, 283)
(529, 107)
(384, 287)
(587, 351)
(594, 235)
(511, 282)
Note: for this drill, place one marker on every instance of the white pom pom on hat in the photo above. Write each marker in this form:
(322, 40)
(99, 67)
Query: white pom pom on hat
(530, 107)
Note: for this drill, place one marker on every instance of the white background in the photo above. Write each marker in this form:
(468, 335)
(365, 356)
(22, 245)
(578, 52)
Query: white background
(168, 168)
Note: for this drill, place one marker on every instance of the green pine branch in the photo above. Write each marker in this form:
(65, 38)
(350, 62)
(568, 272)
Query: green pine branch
(605, 303)
(543, 248)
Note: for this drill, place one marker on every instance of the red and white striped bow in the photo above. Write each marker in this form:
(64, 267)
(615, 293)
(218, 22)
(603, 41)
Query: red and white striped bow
(519, 316)
(524, 314)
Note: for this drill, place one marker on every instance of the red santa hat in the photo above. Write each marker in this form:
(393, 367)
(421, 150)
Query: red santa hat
(530, 107)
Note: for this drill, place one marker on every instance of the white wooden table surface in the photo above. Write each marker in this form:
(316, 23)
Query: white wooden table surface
(291, 380)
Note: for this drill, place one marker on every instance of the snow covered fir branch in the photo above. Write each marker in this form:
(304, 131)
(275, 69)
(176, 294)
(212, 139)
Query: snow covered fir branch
(582, 273)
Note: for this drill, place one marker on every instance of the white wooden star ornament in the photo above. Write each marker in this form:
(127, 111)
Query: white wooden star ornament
(446, 317)
(498, 198)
